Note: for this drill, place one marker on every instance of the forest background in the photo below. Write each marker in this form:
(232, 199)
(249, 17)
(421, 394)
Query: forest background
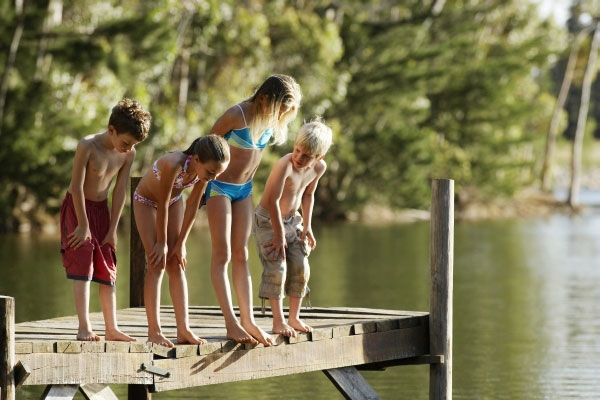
(413, 89)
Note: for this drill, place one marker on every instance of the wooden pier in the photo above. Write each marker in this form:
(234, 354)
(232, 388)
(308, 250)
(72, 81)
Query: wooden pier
(344, 340)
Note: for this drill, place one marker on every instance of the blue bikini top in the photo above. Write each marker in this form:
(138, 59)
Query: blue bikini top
(241, 137)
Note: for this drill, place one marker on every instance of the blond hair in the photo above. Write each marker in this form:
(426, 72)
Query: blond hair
(314, 137)
(278, 90)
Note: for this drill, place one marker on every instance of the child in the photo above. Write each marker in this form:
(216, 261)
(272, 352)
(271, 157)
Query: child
(247, 127)
(282, 233)
(88, 229)
(164, 227)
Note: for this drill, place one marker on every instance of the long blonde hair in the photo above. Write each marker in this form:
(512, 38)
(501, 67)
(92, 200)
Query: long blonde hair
(278, 90)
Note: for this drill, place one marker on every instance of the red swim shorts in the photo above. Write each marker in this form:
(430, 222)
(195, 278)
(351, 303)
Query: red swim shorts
(90, 261)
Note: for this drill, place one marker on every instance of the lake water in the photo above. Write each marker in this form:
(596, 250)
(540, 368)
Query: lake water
(526, 303)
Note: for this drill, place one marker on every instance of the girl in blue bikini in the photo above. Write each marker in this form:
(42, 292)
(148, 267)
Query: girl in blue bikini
(164, 226)
(247, 127)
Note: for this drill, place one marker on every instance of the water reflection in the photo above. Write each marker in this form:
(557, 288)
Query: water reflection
(526, 303)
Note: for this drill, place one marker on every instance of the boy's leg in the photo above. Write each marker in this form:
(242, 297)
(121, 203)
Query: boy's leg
(298, 275)
(241, 224)
(279, 324)
(177, 281)
(108, 300)
(294, 317)
(218, 210)
(81, 292)
(145, 219)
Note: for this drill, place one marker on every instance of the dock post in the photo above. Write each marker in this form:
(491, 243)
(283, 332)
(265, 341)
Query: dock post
(137, 274)
(7, 348)
(441, 258)
(137, 258)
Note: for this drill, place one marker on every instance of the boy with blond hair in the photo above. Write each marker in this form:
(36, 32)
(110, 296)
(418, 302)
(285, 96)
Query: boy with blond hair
(284, 238)
(88, 229)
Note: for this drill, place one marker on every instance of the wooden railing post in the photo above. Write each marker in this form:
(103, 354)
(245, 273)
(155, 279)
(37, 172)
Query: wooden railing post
(440, 306)
(137, 274)
(7, 348)
(137, 258)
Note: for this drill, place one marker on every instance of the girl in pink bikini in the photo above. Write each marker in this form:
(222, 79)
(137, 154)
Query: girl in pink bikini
(164, 226)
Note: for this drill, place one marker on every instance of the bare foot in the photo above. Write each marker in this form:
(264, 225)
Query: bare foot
(239, 334)
(117, 335)
(187, 336)
(284, 329)
(299, 325)
(159, 338)
(258, 334)
(87, 335)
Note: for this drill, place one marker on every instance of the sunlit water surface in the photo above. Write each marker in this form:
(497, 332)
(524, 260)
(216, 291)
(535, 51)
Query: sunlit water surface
(526, 303)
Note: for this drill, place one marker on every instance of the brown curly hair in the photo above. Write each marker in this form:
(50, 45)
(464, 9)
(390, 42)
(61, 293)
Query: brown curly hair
(128, 116)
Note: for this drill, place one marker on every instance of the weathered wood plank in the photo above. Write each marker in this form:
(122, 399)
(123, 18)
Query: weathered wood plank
(97, 391)
(22, 371)
(209, 348)
(43, 347)
(93, 347)
(137, 257)
(59, 392)
(117, 347)
(300, 337)
(292, 359)
(83, 368)
(365, 327)
(321, 334)
(7, 347)
(68, 347)
(186, 350)
(419, 360)
(351, 384)
(441, 259)
(23, 347)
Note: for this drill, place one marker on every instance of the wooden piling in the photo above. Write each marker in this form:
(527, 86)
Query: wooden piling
(440, 307)
(7, 348)
(137, 274)
(137, 258)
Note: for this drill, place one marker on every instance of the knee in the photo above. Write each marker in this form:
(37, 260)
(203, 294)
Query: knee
(240, 255)
(221, 256)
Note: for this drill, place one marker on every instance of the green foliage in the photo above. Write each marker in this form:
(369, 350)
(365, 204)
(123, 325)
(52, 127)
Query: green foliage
(409, 96)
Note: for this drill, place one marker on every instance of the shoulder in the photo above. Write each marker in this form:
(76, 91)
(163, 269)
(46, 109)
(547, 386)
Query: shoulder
(320, 167)
(171, 161)
(232, 118)
(283, 167)
(86, 144)
(130, 155)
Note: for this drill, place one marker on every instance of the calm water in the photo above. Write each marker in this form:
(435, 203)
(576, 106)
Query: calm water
(526, 303)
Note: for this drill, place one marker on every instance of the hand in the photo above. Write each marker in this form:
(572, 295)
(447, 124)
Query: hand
(307, 234)
(158, 257)
(78, 237)
(276, 246)
(111, 240)
(180, 253)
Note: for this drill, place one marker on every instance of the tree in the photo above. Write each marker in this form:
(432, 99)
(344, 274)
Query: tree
(590, 71)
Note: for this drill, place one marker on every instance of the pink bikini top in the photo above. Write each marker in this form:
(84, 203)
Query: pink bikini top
(178, 184)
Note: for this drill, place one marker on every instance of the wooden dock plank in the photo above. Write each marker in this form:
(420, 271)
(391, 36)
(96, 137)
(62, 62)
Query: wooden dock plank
(82, 368)
(290, 359)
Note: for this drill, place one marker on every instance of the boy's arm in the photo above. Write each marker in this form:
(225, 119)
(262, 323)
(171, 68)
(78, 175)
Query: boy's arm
(308, 202)
(118, 199)
(82, 231)
(191, 206)
(168, 174)
(272, 195)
